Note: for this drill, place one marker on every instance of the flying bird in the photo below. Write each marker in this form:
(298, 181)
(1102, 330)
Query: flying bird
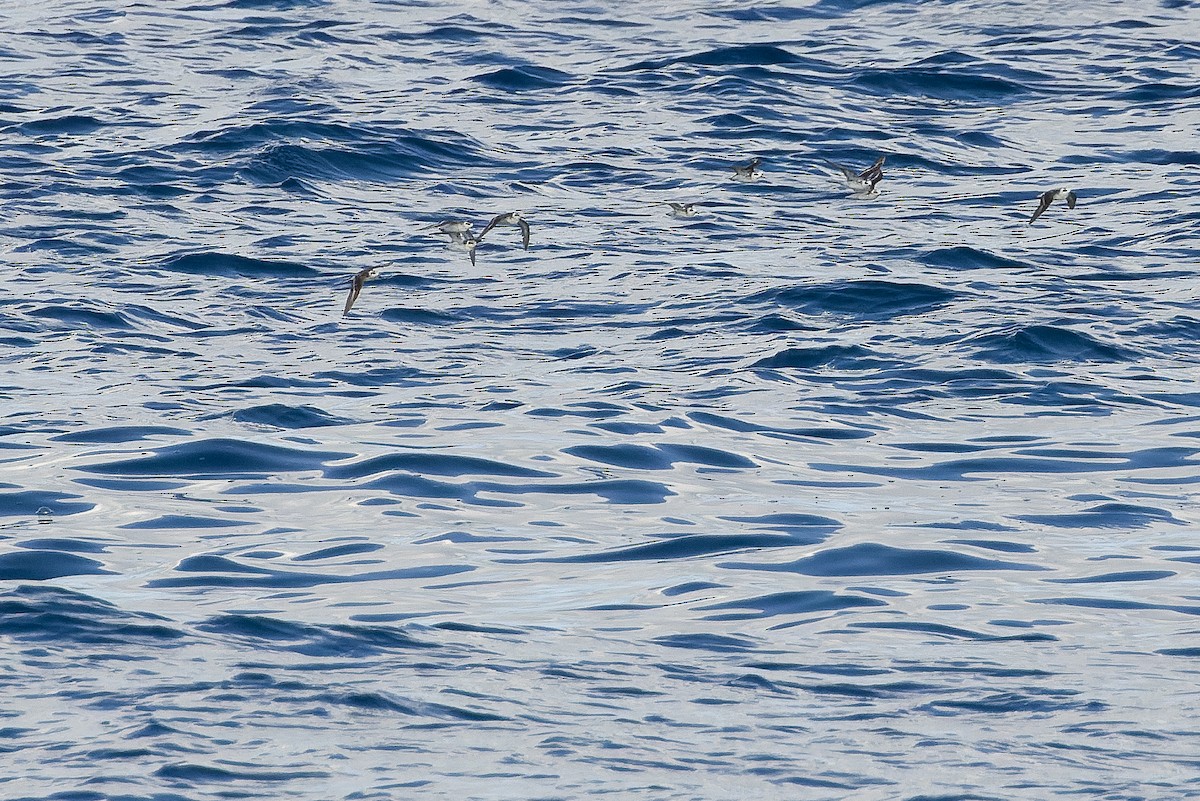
(467, 241)
(356, 285)
(1048, 197)
(451, 226)
(682, 210)
(863, 183)
(748, 172)
(509, 218)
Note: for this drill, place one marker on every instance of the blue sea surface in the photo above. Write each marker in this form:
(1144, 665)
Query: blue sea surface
(808, 496)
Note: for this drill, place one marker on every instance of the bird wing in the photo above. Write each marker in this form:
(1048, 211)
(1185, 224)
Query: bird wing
(471, 253)
(1044, 202)
(850, 174)
(874, 173)
(356, 285)
(1071, 198)
(495, 221)
(524, 233)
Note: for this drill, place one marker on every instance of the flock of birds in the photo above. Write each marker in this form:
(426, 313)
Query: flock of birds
(864, 184)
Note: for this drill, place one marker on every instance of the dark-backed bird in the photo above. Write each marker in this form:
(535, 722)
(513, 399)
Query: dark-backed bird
(863, 183)
(356, 285)
(509, 218)
(682, 210)
(1051, 195)
(748, 172)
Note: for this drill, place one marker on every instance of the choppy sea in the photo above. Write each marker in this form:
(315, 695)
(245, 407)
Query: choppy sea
(804, 497)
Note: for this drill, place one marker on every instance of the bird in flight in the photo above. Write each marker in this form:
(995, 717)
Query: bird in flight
(509, 218)
(1049, 196)
(356, 285)
(863, 183)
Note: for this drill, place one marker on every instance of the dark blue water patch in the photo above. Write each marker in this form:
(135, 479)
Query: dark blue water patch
(220, 571)
(728, 121)
(789, 603)
(938, 83)
(459, 34)
(963, 257)
(396, 156)
(279, 415)
(76, 317)
(754, 55)
(717, 643)
(679, 547)
(418, 316)
(64, 247)
(795, 523)
(67, 544)
(1046, 344)
(131, 485)
(691, 586)
(524, 78)
(389, 702)
(953, 632)
(39, 565)
(1114, 603)
(47, 614)
(662, 456)
(465, 536)
(576, 412)
(776, 324)
(745, 426)
(378, 377)
(1107, 515)
(868, 298)
(1193, 652)
(265, 382)
(343, 641)
(117, 434)
(192, 774)
(967, 525)
(959, 469)
(214, 263)
(1155, 92)
(1183, 328)
(1027, 701)
(632, 429)
(439, 464)
(336, 551)
(217, 458)
(26, 503)
(181, 522)
(836, 357)
(875, 559)
(1002, 546)
(1171, 157)
(1121, 576)
(66, 125)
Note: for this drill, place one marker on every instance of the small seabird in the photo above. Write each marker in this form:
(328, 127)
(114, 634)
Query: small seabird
(682, 210)
(509, 218)
(748, 172)
(467, 241)
(863, 183)
(1048, 197)
(451, 226)
(356, 285)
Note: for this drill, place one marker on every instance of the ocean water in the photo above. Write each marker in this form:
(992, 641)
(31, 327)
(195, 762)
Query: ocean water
(804, 497)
